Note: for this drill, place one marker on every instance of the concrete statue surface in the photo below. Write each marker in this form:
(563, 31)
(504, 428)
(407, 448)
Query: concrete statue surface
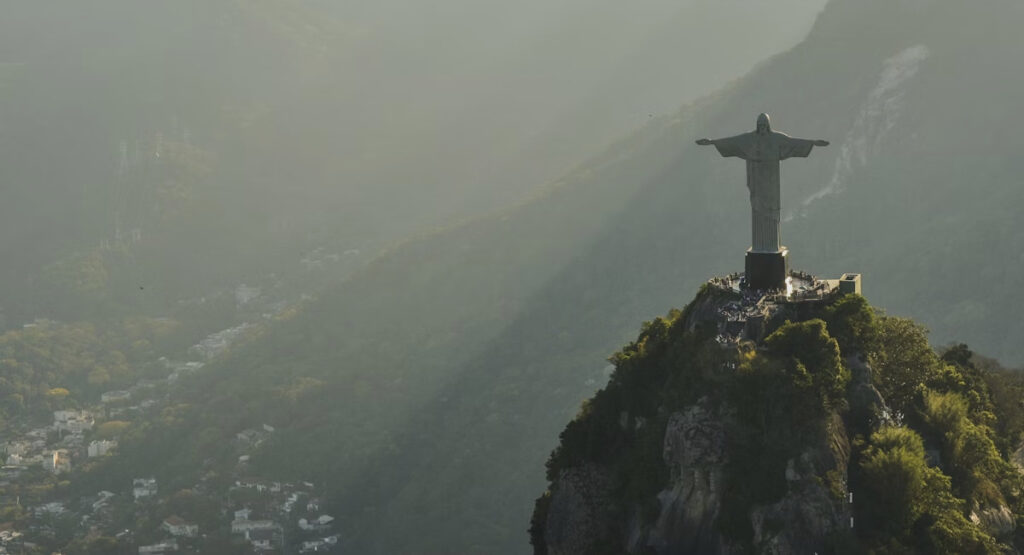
(763, 149)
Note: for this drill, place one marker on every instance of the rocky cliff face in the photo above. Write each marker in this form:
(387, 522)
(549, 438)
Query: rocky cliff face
(695, 450)
(707, 446)
(580, 511)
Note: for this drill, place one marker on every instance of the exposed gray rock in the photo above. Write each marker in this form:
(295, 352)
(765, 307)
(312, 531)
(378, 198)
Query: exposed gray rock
(796, 524)
(580, 515)
(998, 520)
(694, 438)
(866, 403)
(705, 309)
(815, 507)
(1017, 459)
(799, 522)
(694, 451)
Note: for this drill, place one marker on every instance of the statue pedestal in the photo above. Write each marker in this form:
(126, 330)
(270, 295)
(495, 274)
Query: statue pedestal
(767, 270)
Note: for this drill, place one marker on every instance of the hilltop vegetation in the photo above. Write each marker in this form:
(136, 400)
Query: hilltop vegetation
(50, 366)
(450, 363)
(931, 452)
(153, 157)
(435, 381)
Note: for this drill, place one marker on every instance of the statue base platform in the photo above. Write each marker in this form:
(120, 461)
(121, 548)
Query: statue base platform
(767, 270)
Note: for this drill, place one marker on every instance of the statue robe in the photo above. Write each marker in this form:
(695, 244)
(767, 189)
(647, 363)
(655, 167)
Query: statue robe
(763, 152)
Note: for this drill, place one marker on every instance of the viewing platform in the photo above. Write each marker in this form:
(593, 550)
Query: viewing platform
(743, 312)
(800, 287)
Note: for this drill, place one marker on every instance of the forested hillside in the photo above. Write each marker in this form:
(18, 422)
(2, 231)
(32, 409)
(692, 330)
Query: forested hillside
(444, 370)
(130, 144)
(836, 431)
(182, 174)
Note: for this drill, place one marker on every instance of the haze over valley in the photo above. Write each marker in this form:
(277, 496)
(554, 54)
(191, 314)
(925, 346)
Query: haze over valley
(364, 260)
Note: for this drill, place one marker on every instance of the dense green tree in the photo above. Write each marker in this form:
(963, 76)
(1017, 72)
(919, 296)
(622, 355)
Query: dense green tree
(853, 323)
(99, 546)
(967, 448)
(896, 475)
(1006, 388)
(902, 361)
(193, 507)
(111, 429)
(909, 505)
(810, 358)
(52, 365)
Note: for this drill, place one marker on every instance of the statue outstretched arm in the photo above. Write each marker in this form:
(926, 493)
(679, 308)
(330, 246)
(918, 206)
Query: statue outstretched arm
(729, 146)
(798, 148)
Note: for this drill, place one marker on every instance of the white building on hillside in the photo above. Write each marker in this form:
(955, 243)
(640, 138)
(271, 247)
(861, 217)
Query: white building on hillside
(59, 461)
(157, 548)
(143, 487)
(99, 448)
(176, 526)
(115, 396)
(72, 421)
(319, 523)
(246, 526)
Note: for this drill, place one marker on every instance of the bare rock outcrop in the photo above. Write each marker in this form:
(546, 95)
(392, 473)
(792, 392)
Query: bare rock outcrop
(799, 523)
(1017, 458)
(695, 453)
(580, 515)
(866, 402)
(810, 511)
(998, 520)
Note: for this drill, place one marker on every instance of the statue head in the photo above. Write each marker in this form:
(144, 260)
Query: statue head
(764, 124)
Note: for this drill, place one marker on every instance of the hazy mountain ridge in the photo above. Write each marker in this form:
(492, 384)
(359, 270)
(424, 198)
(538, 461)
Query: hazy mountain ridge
(477, 342)
(119, 130)
(643, 250)
(350, 125)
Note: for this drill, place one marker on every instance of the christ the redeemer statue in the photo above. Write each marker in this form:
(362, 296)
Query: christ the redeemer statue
(767, 260)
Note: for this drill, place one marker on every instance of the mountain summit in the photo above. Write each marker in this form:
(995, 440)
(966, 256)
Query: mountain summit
(451, 363)
(754, 423)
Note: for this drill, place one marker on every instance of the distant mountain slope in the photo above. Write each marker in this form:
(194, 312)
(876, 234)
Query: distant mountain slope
(126, 122)
(222, 138)
(450, 364)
